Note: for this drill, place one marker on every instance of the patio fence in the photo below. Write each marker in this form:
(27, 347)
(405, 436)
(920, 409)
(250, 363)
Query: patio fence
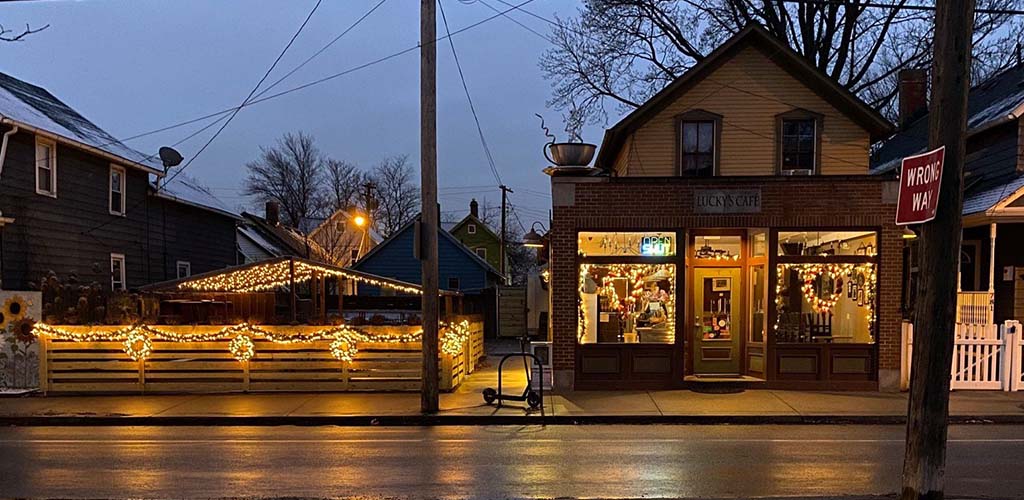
(985, 356)
(203, 367)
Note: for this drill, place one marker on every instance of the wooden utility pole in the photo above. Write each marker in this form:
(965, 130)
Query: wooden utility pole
(429, 217)
(504, 234)
(935, 310)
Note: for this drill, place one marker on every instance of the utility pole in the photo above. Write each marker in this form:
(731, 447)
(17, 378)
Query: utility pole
(935, 311)
(429, 218)
(504, 235)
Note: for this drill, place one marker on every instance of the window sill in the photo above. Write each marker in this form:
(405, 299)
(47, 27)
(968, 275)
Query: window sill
(48, 194)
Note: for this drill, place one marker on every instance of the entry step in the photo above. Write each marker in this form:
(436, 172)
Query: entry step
(713, 379)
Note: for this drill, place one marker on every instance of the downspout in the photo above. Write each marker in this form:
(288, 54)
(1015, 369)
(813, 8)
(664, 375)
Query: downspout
(3, 159)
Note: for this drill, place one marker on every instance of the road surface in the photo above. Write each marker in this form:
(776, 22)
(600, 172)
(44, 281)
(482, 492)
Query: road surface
(491, 462)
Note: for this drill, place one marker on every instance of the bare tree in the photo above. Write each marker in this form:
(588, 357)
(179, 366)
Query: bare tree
(397, 195)
(9, 35)
(290, 173)
(344, 183)
(620, 52)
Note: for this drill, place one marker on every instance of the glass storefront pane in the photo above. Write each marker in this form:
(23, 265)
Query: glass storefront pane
(627, 303)
(828, 243)
(758, 243)
(759, 302)
(717, 247)
(636, 244)
(825, 303)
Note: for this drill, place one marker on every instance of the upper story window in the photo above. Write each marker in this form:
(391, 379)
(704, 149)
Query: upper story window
(481, 252)
(117, 190)
(799, 142)
(46, 167)
(453, 283)
(117, 273)
(184, 269)
(697, 143)
(471, 229)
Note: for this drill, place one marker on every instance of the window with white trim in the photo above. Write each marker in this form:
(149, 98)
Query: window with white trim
(471, 229)
(117, 272)
(481, 252)
(184, 269)
(46, 167)
(117, 190)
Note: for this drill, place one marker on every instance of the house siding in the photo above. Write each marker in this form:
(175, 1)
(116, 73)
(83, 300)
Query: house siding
(758, 90)
(75, 232)
(482, 238)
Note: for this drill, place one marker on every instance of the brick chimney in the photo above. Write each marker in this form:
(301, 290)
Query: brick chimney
(474, 208)
(913, 95)
(273, 213)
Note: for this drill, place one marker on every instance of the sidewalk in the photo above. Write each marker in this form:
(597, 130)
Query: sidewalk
(466, 406)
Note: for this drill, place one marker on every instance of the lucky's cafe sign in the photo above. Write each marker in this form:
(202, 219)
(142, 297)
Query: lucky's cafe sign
(920, 180)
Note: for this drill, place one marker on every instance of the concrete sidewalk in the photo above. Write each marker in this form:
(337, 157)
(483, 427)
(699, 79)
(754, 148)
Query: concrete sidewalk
(466, 406)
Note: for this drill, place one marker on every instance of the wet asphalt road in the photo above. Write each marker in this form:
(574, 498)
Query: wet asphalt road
(491, 462)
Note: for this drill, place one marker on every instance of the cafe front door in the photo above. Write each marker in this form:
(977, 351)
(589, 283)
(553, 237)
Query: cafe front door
(717, 320)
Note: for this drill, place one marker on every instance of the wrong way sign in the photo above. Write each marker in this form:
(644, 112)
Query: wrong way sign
(920, 180)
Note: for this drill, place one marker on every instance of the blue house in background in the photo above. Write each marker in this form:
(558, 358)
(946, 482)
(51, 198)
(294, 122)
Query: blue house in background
(459, 268)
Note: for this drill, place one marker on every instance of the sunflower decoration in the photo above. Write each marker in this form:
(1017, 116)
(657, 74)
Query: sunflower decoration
(138, 346)
(24, 330)
(14, 309)
(242, 348)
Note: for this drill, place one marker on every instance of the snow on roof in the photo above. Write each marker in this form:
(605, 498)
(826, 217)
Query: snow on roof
(1002, 108)
(33, 106)
(185, 189)
(257, 238)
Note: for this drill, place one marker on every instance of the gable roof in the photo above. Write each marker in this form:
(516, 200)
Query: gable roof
(990, 167)
(33, 108)
(285, 240)
(346, 215)
(441, 234)
(479, 224)
(752, 35)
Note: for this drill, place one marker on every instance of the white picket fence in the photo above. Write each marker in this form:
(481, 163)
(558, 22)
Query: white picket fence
(986, 357)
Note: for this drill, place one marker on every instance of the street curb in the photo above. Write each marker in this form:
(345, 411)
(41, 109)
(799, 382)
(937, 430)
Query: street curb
(482, 420)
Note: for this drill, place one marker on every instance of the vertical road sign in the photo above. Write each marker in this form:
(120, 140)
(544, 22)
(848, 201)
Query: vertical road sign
(920, 178)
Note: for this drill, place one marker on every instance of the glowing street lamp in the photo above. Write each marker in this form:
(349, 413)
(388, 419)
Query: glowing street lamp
(532, 239)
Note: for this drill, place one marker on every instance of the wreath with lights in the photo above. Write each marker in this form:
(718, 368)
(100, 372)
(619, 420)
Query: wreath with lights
(809, 275)
(344, 349)
(242, 348)
(137, 346)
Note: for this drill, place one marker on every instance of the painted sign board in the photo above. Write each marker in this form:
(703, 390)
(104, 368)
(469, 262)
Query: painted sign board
(727, 201)
(920, 182)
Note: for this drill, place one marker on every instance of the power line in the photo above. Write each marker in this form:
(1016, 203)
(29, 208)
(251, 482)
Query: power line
(229, 118)
(525, 27)
(353, 69)
(472, 108)
(878, 5)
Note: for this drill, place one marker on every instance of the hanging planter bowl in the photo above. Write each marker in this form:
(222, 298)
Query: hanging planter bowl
(564, 154)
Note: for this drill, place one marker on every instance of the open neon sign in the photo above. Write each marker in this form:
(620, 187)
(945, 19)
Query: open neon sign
(656, 245)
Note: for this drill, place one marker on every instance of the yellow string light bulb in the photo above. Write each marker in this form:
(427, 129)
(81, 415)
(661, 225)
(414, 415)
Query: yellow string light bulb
(242, 348)
(138, 346)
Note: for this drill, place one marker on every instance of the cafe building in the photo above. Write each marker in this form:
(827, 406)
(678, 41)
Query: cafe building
(731, 233)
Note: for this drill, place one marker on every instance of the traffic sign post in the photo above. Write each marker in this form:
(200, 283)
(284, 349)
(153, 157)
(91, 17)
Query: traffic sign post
(920, 180)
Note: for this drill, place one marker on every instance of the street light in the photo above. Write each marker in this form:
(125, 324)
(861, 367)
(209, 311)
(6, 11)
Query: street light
(532, 239)
(359, 220)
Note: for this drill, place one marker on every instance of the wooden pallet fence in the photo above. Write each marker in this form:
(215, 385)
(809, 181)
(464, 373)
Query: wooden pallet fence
(201, 367)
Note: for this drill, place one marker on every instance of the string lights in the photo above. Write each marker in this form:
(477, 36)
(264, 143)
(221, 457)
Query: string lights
(274, 274)
(137, 341)
(826, 300)
(636, 275)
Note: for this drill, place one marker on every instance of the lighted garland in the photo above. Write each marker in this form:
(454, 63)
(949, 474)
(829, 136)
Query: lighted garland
(137, 345)
(268, 276)
(809, 273)
(137, 340)
(635, 274)
(242, 348)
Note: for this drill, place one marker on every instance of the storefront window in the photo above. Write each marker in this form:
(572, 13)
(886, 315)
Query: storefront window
(759, 302)
(651, 244)
(758, 243)
(828, 243)
(717, 247)
(627, 303)
(825, 302)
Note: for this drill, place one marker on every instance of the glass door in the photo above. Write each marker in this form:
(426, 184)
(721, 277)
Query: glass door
(718, 321)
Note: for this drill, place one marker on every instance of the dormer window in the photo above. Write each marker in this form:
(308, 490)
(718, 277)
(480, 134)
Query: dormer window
(799, 142)
(698, 133)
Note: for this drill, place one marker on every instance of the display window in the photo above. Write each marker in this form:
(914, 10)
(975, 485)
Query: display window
(827, 287)
(626, 244)
(627, 303)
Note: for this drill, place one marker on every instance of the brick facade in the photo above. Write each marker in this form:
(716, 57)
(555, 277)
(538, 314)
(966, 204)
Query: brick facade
(643, 203)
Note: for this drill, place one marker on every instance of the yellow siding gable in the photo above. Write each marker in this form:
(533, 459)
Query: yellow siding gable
(748, 91)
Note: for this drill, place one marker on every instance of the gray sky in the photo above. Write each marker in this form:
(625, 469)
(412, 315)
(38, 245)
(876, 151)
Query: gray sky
(132, 66)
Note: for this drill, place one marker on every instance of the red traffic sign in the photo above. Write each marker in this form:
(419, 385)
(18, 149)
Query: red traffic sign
(920, 180)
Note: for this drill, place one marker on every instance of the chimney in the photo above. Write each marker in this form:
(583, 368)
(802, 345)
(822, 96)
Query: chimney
(913, 95)
(474, 208)
(273, 213)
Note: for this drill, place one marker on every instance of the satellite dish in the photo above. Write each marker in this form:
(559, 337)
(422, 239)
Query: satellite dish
(170, 157)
